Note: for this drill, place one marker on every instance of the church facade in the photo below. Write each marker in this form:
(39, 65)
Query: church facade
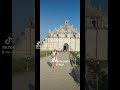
(24, 47)
(96, 32)
(65, 37)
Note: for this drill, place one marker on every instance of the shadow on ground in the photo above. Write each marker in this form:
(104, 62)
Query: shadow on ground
(73, 75)
(31, 86)
(49, 63)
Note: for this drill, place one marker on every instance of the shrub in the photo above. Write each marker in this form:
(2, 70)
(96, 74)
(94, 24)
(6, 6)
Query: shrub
(43, 53)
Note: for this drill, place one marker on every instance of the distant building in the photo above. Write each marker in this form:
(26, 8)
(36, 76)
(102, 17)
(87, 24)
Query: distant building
(96, 32)
(25, 45)
(65, 37)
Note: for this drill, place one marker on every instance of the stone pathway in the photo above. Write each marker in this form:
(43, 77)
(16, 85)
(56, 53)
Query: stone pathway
(59, 78)
(24, 81)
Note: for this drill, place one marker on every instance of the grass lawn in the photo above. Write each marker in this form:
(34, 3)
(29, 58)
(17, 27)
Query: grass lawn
(20, 65)
(102, 74)
(43, 53)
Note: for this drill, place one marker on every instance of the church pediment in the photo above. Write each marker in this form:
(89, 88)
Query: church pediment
(66, 28)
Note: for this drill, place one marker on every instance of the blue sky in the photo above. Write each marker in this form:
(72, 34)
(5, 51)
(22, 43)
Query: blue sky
(22, 11)
(53, 13)
(104, 4)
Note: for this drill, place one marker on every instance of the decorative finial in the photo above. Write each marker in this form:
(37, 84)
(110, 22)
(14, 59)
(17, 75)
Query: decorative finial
(49, 30)
(66, 21)
(100, 7)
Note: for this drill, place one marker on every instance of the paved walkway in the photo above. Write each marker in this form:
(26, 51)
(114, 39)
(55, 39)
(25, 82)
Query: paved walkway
(59, 78)
(24, 81)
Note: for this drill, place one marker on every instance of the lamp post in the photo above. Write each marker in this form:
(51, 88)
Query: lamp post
(75, 42)
(58, 41)
(28, 60)
(47, 45)
(97, 53)
(86, 68)
(53, 41)
(70, 41)
(96, 36)
(97, 77)
(30, 37)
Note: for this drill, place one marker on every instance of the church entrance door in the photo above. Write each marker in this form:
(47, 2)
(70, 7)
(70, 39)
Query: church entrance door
(66, 47)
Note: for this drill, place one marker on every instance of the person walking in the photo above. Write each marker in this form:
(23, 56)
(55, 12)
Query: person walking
(56, 56)
(71, 58)
(53, 58)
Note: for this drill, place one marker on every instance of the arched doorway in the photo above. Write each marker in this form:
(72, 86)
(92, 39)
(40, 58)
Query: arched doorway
(66, 47)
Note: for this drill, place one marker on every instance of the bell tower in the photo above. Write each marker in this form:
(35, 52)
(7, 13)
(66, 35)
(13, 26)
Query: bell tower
(66, 24)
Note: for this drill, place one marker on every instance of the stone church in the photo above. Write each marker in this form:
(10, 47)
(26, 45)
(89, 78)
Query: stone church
(25, 45)
(96, 32)
(65, 37)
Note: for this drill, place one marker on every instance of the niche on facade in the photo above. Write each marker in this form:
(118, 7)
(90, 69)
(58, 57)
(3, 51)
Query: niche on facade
(74, 35)
(57, 35)
(94, 23)
(22, 33)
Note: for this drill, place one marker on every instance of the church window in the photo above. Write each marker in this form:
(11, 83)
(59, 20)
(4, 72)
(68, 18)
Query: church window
(57, 35)
(74, 35)
(22, 33)
(94, 23)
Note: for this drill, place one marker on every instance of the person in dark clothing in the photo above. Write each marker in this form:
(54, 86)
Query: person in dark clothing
(71, 58)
